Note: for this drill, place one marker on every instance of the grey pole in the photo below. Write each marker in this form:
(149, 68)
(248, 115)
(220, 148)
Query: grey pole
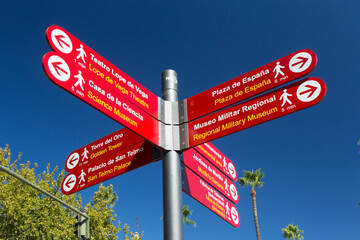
(172, 186)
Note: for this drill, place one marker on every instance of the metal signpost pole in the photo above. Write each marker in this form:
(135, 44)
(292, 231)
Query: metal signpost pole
(172, 186)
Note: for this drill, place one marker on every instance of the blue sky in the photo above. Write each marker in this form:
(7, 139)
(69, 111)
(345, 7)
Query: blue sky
(310, 158)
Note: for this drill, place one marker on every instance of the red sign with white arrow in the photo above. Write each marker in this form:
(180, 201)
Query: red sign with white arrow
(209, 197)
(95, 65)
(88, 89)
(218, 159)
(101, 148)
(119, 163)
(281, 102)
(199, 165)
(269, 76)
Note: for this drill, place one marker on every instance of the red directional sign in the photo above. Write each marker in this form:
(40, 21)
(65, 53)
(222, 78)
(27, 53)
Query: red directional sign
(95, 65)
(209, 197)
(218, 159)
(271, 75)
(121, 162)
(101, 148)
(199, 165)
(281, 102)
(88, 89)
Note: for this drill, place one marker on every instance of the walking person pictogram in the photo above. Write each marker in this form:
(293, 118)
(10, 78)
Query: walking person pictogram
(82, 53)
(82, 176)
(85, 154)
(227, 209)
(80, 80)
(284, 97)
(278, 69)
(226, 186)
(224, 164)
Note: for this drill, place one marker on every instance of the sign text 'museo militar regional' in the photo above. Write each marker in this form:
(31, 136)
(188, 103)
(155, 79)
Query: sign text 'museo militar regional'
(92, 63)
(199, 165)
(101, 148)
(121, 162)
(209, 197)
(278, 103)
(108, 101)
(271, 75)
(218, 159)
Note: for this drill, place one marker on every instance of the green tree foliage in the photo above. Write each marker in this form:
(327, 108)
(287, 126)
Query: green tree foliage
(292, 232)
(27, 214)
(254, 180)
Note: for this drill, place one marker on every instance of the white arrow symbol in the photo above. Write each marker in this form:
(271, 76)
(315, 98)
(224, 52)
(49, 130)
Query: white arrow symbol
(59, 68)
(72, 160)
(300, 62)
(234, 193)
(308, 91)
(232, 170)
(234, 215)
(61, 41)
(69, 182)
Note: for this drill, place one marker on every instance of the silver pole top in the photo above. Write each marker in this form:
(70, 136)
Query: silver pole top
(169, 85)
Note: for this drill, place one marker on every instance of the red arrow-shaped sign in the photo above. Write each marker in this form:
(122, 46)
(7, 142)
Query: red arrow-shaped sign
(56, 67)
(69, 181)
(60, 40)
(302, 61)
(311, 90)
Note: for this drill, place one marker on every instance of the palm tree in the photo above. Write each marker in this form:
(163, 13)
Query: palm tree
(186, 214)
(254, 180)
(292, 232)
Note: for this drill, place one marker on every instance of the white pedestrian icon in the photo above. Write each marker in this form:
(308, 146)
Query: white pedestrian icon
(284, 97)
(82, 176)
(85, 154)
(80, 80)
(278, 69)
(226, 186)
(227, 209)
(82, 53)
(224, 164)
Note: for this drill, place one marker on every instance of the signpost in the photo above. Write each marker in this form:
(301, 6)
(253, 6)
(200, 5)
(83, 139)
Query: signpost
(209, 197)
(269, 76)
(199, 165)
(281, 102)
(119, 163)
(85, 74)
(70, 77)
(218, 159)
(95, 65)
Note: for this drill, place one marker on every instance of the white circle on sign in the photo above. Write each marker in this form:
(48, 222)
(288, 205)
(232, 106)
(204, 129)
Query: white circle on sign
(69, 182)
(235, 215)
(234, 192)
(232, 170)
(300, 62)
(308, 91)
(72, 160)
(61, 41)
(59, 68)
